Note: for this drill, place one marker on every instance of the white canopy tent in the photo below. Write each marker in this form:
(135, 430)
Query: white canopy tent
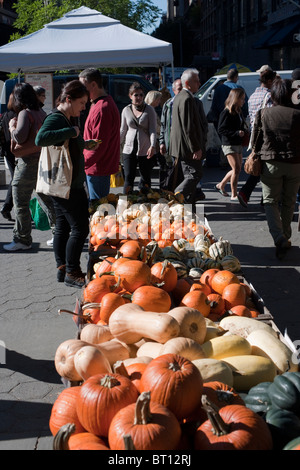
(80, 39)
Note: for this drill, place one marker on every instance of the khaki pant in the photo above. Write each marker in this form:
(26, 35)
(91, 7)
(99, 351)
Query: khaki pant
(280, 184)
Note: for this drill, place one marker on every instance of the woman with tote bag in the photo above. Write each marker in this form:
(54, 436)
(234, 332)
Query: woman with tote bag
(72, 216)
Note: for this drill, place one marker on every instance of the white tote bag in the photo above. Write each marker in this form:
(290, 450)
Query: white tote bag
(55, 171)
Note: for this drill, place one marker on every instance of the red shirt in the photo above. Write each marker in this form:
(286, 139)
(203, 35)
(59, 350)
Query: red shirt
(103, 122)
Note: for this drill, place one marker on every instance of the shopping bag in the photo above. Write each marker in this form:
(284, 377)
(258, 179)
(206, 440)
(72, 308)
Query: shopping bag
(55, 171)
(117, 179)
(39, 217)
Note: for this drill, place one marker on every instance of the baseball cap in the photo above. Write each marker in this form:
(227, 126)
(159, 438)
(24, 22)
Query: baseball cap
(263, 68)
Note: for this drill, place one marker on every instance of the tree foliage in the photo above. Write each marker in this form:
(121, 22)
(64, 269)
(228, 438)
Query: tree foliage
(34, 14)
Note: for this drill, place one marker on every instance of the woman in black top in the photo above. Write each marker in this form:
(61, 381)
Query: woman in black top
(232, 129)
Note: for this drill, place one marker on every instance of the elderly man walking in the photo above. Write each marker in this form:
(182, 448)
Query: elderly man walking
(187, 139)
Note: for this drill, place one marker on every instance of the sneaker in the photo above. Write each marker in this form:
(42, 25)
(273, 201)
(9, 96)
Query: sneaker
(75, 279)
(50, 242)
(16, 246)
(61, 273)
(242, 199)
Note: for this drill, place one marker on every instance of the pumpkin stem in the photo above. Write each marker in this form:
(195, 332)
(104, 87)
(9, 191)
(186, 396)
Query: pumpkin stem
(62, 310)
(174, 366)
(152, 254)
(164, 266)
(109, 381)
(128, 442)
(219, 427)
(142, 409)
(61, 438)
(119, 368)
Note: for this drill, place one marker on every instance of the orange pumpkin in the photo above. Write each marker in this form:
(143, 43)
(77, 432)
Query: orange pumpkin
(234, 294)
(105, 266)
(203, 287)
(101, 397)
(109, 303)
(207, 276)
(133, 274)
(241, 311)
(164, 272)
(133, 249)
(64, 410)
(91, 314)
(150, 426)
(217, 304)
(98, 287)
(222, 279)
(198, 300)
(171, 377)
(151, 298)
(67, 439)
(233, 427)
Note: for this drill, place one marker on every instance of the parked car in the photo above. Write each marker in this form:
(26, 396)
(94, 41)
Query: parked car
(116, 85)
(248, 80)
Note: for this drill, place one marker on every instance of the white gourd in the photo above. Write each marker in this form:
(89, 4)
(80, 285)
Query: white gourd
(220, 249)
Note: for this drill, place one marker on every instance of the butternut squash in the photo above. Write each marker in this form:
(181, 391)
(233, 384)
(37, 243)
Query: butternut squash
(250, 370)
(89, 360)
(191, 322)
(95, 334)
(149, 349)
(265, 344)
(243, 326)
(137, 360)
(64, 359)
(130, 323)
(185, 347)
(114, 351)
(214, 370)
(225, 346)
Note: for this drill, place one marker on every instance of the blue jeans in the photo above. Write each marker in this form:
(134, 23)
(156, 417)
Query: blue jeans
(71, 229)
(98, 186)
(23, 185)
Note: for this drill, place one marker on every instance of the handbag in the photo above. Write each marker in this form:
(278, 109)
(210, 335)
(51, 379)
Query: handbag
(39, 217)
(28, 147)
(253, 163)
(117, 179)
(55, 171)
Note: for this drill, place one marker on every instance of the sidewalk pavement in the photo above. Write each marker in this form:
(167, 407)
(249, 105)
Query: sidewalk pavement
(31, 329)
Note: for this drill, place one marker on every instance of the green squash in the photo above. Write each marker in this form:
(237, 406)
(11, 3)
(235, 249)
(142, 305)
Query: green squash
(257, 399)
(284, 392)
(294, 444)
(284, 426)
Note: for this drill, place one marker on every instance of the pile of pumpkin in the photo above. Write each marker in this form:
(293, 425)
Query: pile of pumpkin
(153, 346)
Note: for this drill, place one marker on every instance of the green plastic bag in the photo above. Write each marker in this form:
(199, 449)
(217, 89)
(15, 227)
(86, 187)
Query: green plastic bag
(39, 217)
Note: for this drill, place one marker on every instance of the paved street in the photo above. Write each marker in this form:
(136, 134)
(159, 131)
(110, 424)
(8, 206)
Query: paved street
(31, 329)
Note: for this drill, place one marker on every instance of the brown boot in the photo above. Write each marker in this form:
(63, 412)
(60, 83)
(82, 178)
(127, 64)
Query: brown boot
(75, 278)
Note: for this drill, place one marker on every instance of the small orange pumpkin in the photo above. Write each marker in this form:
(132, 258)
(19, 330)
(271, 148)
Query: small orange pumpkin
(234, 294)
(222, 279)
(151, 298)
(198, 300)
